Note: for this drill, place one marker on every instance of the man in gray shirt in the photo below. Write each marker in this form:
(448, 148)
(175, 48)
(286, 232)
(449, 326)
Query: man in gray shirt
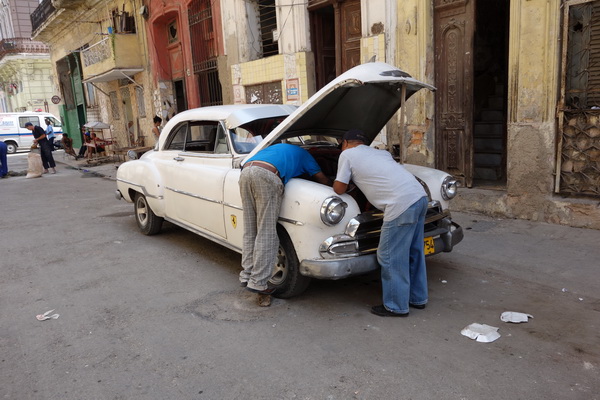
(392, 189)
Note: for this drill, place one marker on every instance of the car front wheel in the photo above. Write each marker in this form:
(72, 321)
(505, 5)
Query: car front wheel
(146, 220)
(286, 278)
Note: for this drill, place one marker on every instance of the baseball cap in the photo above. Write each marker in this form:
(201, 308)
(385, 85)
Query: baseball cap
(355, 134)
(28, 124)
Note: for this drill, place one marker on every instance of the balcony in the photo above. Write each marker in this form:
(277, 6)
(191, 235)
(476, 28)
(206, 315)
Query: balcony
(114, 57)
(41, 14)
(21, 45)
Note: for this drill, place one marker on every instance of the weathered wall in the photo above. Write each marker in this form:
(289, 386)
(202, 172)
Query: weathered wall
(414, 54)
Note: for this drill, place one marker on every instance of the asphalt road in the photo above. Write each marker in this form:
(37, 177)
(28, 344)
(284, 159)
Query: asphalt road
(162, 317)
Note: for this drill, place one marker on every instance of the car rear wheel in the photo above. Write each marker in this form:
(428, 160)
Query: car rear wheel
(11, 147)
(286, 278)
(146, 220)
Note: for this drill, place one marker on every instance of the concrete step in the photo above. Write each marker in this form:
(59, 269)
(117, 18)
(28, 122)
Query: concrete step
(488, 129)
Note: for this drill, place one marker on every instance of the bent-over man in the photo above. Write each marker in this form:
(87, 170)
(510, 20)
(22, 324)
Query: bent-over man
(392, 189)
(261, 186)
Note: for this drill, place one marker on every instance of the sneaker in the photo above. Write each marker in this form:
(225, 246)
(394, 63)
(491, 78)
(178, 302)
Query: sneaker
(418, 306)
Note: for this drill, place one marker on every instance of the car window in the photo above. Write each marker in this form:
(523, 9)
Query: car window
(176, 140)
(201, 137)
(32, 119)
(246, 137)
(222, 147)
(56, 123)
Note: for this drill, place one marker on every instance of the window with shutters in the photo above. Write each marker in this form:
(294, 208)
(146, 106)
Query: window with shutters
(578, 161)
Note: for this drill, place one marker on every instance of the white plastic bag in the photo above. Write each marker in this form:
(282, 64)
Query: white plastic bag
(35, 168)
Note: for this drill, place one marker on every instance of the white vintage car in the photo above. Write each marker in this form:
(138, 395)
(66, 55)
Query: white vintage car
(191, 177)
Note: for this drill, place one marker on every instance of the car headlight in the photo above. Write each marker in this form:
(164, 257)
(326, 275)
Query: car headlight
(333, 210)
(449, 188)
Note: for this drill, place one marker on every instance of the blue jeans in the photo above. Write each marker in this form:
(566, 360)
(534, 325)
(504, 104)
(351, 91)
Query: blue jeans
(3, 164)
(402, 259)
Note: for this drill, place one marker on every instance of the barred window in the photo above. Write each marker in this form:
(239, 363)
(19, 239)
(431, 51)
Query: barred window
(264, 93)
(267, 14)
(578, 158)
(582, 86)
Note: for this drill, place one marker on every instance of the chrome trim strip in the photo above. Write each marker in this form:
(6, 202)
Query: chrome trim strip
(193, 195)
(217, 239)
(233, 206)
(291, 221)
(142, 188)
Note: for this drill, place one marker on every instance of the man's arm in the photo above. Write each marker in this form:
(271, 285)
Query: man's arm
(322, 178)
(339, 187)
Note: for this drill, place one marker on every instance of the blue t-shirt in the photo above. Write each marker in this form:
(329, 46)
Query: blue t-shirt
(49, 132)
(290, 160)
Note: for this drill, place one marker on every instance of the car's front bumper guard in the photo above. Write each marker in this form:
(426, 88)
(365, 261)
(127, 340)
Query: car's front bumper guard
(339, 268)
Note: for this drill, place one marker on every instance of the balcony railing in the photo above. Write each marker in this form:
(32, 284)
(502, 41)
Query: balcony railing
(21, 45)
(113, 52)
(41, 14)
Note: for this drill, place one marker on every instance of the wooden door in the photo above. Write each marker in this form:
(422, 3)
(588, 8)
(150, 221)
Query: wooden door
(454, 32)
(350, 34)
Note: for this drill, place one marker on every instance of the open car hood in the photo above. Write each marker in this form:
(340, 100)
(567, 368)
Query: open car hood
(364, 97)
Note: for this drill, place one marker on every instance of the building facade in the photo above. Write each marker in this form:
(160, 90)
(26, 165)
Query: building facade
(515, 115)
(25, 69)
(100, 58)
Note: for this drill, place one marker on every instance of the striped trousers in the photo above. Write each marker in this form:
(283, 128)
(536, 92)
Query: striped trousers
(261, 192)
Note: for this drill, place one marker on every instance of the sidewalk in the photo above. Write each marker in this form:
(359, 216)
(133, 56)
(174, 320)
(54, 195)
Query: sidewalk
(107, 169)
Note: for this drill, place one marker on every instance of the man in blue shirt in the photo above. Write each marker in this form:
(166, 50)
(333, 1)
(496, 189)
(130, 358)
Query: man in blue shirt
(261, 186)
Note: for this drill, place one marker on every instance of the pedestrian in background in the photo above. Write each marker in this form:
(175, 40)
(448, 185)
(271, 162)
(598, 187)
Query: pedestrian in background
(46, 152)
(392, 189)
(156, 127)
(3, 160)
(262, 183)
(50, 133)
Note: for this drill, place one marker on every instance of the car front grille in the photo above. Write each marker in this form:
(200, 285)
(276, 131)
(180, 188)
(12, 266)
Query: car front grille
(369, 228)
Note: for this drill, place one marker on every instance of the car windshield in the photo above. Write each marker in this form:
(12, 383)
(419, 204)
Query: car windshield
(313, 140)
(246, 137)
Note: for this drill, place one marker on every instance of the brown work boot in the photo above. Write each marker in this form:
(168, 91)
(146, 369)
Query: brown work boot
(264, 300)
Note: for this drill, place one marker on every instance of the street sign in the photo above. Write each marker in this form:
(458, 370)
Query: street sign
(55, 99)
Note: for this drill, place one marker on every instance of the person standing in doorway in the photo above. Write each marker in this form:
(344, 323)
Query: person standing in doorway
(156, 127)
(46, 152)
(392, 189)
(3, 162)
(262, 183)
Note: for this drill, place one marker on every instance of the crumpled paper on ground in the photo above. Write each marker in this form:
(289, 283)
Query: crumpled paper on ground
(45, 316)
(481, 332)
(515, 317)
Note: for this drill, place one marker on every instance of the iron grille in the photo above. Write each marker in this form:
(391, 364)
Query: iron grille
(204, 52)
(268, 27)
(139, 95)
(578, 163)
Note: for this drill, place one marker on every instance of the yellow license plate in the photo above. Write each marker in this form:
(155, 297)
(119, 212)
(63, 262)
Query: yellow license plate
(429, 246)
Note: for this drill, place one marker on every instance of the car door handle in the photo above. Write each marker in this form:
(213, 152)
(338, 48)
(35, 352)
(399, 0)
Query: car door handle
(178, 158)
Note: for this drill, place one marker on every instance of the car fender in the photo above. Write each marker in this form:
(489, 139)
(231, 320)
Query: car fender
(433, 178)
(142, 176)
(301, 216)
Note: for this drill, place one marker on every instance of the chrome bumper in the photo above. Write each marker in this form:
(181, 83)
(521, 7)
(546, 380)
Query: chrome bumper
(339, 268)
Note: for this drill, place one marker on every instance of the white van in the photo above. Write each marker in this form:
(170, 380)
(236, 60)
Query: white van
(17, 137)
